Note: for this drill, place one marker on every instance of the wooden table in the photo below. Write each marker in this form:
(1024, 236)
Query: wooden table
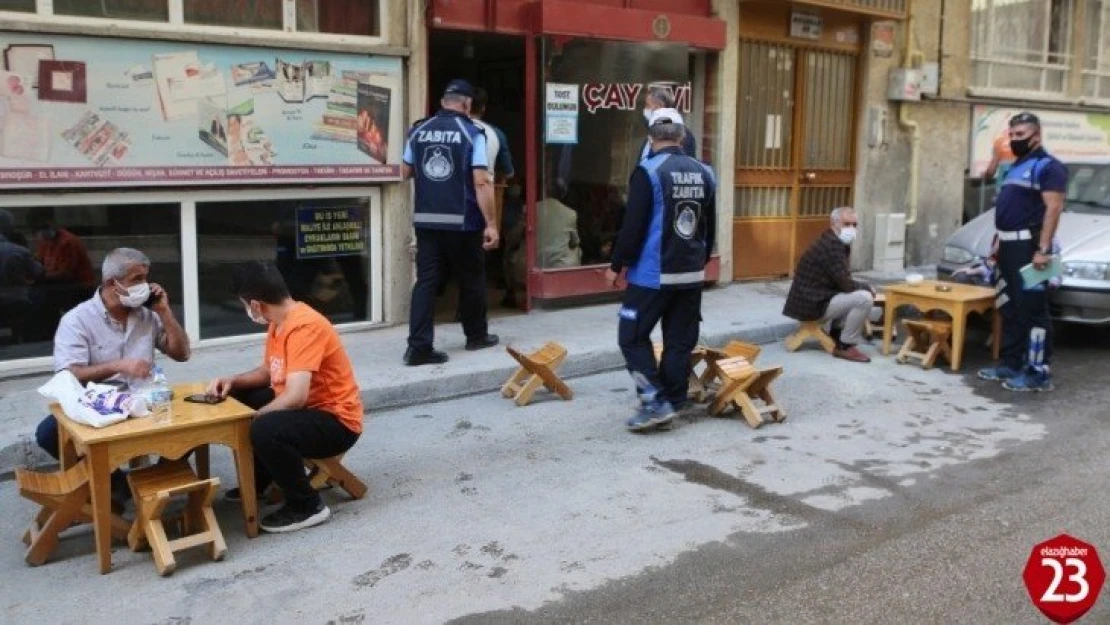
(958, 303)
(193, 428)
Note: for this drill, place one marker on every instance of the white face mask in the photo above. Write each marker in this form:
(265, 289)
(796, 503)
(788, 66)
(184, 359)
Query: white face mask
(135, 295)
(257, 318)
(847, 235)
(647, 115)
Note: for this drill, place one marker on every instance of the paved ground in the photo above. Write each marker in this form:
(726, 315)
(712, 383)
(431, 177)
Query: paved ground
(891, 495)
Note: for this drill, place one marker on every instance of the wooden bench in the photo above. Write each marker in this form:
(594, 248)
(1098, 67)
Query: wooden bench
(741, 385)
(927, 340)
(65, 500)
(698, 390)
(153, 489)
(810, 330)
(536, 369)
(330, 472)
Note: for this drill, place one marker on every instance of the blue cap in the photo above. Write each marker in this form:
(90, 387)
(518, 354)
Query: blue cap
(460, 87)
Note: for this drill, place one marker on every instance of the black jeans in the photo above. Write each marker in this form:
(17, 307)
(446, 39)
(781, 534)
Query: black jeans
(282, 440)
(1026, 308)
(680, 312)
(437, 253)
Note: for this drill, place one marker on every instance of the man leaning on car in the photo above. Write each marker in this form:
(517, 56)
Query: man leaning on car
(1027, 211)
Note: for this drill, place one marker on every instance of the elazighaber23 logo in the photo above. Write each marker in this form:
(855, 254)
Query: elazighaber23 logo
(1064, 577)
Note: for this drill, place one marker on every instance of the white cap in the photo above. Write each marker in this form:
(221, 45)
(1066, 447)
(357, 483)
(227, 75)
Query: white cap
(665, 116)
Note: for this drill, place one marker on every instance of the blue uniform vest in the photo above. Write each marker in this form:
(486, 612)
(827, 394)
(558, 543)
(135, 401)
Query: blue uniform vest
(676, 249)
(443, 148)
(1020, 205)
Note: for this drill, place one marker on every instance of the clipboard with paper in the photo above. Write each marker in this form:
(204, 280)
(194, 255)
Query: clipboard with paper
(1031, 276)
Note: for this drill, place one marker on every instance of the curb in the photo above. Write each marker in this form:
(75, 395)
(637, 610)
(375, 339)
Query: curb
(23, 452)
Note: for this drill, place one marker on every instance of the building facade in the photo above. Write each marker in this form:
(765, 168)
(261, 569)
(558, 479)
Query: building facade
(203, 133)
(207, 133)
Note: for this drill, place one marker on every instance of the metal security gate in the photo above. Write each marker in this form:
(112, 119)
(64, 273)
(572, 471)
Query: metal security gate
(795, 151)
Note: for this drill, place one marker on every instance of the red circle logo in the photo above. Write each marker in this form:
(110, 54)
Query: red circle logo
(1064, 577)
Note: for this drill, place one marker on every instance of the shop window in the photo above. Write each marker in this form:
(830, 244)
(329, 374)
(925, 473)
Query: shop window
(1096, 67)
(21, 6)
(1022, 45)
(320, 246)
(264, 14)
(342, 17)
(585, 179)
(147, 10)
(52, 261)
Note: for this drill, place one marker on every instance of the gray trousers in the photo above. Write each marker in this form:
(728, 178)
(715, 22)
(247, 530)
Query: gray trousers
(850, 311)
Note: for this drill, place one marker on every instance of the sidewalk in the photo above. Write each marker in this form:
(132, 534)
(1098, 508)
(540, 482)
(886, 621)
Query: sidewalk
(750, 312)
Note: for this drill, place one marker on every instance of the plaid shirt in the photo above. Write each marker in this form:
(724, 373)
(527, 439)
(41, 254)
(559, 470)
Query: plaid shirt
(822, 273)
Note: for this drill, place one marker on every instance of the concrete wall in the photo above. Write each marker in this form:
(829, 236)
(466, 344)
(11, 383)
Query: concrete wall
(728, 68)
(883, 174)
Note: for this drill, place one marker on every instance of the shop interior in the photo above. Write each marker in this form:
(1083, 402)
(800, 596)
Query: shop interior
(496, 64)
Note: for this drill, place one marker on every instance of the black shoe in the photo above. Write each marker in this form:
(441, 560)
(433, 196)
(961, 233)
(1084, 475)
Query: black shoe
(236, 495)
(285, 519)
(488, 340)
(414, 358)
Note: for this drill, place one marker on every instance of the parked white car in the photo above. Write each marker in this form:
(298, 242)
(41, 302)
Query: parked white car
(1084, 235)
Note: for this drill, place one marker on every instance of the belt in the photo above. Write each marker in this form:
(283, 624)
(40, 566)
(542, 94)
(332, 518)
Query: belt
(1015, 235)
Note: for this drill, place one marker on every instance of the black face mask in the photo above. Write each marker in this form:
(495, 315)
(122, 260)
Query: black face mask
(1021, 147)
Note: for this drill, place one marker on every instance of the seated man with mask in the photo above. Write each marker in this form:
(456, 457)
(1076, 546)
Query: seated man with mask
(823, 288)
(304, 393)
(111, 337)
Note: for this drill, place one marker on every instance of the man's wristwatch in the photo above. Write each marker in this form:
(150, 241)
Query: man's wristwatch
(1042, 251)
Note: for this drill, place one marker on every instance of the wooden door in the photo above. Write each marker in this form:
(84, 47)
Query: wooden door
(795, 151)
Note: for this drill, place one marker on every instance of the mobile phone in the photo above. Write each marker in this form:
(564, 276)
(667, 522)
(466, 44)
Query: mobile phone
(152, 300)
(204, 398)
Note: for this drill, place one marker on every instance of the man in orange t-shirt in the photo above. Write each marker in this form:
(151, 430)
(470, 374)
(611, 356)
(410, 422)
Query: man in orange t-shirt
(305, 393)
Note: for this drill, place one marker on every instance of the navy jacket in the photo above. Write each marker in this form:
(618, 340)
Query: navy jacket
(444, 150)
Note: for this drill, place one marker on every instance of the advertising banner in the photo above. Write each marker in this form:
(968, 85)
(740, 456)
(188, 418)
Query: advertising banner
(1070, 137)
(94, 112)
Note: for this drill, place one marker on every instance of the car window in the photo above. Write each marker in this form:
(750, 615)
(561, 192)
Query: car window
(1078, 177)
(1095, 194)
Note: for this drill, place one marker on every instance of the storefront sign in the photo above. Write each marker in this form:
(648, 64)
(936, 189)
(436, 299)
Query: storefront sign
(805, 25)
(1070, 137)
(331, 231)
(87, 112)
(562, 113)
(623, 96)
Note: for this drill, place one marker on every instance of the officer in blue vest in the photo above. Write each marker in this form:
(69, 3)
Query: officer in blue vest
(664, 244)
(1027, 211)
(454, 220)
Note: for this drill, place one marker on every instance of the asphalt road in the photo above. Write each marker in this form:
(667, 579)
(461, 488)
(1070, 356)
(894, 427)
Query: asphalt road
(944, 550)
(890, 495)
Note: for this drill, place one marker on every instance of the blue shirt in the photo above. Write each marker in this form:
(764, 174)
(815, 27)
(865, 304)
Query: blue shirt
(1020, 203)
(443, 151)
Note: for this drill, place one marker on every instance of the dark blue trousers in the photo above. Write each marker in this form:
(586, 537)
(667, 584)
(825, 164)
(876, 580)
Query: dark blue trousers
(439, 252)
(679, 310)
(1026, 308)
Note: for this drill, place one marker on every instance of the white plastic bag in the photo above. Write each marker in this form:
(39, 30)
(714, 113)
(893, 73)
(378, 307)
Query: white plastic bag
(80, 403)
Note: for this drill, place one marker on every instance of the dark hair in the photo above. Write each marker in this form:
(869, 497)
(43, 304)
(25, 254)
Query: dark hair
(480, 100)
(260, 281)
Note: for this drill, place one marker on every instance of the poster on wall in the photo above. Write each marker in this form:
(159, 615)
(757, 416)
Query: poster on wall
(1068, 136)
(561, 114)
(88, 112)
(326, 232)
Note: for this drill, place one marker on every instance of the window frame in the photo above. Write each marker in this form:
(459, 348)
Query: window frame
(177, 28)
(994, 60)
(1099, 70)
(189, 249)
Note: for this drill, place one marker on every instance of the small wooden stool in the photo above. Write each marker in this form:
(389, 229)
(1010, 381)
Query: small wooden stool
(698, 391)
(153, 489)
(536, 369)
(810, 330)
(927, 340)
(710, 378)
(868, 329)
(329, 472)
(741, 384)
(65, 500)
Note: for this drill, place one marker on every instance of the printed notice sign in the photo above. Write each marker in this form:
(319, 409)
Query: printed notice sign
(561, 107)
(331, 231)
